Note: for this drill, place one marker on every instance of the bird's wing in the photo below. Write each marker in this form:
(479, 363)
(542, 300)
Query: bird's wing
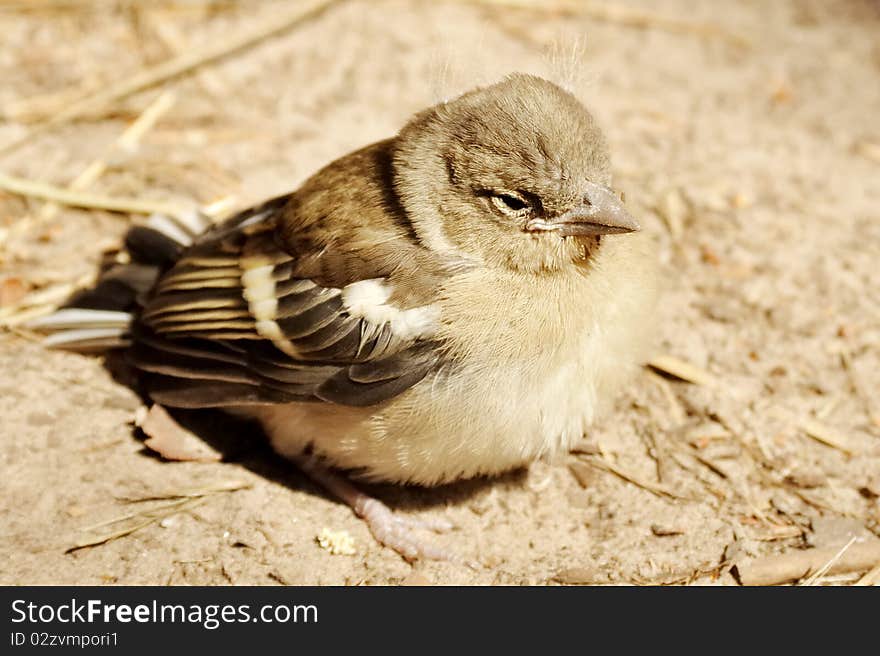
(236, 322)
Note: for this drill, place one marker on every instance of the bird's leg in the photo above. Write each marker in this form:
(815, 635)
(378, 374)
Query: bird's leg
(389, 529)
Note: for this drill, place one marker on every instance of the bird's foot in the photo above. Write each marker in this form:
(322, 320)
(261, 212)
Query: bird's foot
(398, 533)
(391, 530)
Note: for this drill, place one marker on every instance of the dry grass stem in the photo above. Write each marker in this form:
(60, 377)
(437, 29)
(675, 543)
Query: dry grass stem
(200, 491)
(795, 565)
(826, 435)
(180, 501)
(682, 370)
(653, 488)
(85, 200)
(822, 571)
(676, 411)
(75, 5)
(176, 43)
(871, 578)
(127, 141)
(628, 17)
(177, 66)
(41, 302)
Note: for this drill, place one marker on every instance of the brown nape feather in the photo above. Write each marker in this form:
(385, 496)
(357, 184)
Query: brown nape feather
(347, 224)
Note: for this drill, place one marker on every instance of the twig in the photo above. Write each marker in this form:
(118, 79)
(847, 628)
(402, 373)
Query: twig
(155, 511)
(42, 301)
(711, 466)
(676, 410)
(681, 369)
(128, 140)
(794, 565)
(107, 537)
(37, 108)
(10, 321)
(175, 42)
(177, 66)
(86, 200)
(23, 5)
(150, 517)
(65, 5)
(822, 571)
(627, 17)
(653, 488)
(826, 435)
(214, 488)
(182, 500)
(871, 578)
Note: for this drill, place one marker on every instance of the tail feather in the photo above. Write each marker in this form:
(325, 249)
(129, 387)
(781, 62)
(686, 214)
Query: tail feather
(193, 223)
(170, 228)
(88, 339)
(162, 239)
(70, 318)
(118, 289)
(79, 329)
(100, 318)
(146, 244)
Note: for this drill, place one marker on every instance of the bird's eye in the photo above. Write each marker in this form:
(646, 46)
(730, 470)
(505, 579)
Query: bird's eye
(511, 204)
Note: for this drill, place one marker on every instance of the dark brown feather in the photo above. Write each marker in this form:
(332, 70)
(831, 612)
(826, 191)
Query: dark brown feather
(202, 346)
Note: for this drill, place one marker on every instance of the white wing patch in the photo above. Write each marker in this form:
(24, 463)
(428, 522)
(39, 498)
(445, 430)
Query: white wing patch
(368, 299)
(365, 299)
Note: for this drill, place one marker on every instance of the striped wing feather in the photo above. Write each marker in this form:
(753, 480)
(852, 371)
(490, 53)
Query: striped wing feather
(230, 323)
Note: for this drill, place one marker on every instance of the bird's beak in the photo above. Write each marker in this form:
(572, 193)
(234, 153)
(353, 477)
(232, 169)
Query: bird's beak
(600, 212)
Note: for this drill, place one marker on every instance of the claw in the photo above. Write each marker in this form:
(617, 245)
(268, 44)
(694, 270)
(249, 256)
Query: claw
(391, 530)
(396, 532)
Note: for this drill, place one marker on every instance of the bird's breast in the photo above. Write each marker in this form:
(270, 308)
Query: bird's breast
(526, 365)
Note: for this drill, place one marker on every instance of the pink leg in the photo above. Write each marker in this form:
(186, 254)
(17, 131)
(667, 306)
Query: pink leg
(389, 529)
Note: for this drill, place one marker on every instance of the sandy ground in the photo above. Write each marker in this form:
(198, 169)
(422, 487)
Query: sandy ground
(754, 165)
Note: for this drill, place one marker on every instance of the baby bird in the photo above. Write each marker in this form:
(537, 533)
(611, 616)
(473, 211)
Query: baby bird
(452, 302)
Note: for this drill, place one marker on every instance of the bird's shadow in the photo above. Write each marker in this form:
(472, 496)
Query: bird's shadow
(243, 442)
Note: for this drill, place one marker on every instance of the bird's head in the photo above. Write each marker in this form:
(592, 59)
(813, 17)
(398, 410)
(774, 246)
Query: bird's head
(516, 174)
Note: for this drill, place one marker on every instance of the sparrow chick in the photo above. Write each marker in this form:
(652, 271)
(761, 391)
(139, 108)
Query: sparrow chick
(452, 302)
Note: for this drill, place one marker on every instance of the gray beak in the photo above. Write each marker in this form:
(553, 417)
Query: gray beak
(599, 213)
